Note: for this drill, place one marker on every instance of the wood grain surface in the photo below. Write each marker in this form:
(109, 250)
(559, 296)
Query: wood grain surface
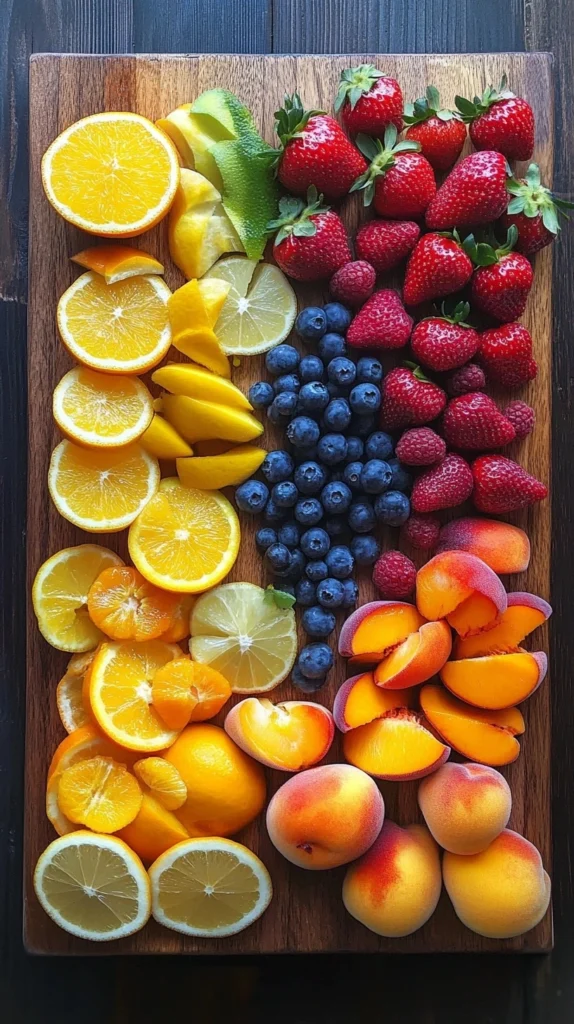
(306, 914)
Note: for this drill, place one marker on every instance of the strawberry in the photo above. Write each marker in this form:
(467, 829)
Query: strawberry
(399, 180)
(473, 193)
(369, 101)
(353, 283)
(445, 342)
(422, 531)
(409, 399)
(534, 212)
(438, 266)
(420, 446)
(445, 485)
(441, 133)
(311, 241)
(506, 355)
(522, 417)
(468, 378)
(500, 120)
(381, 323)
(501, 485)
(503, 280)
(315, 151)
(385, 243)
(475, 422)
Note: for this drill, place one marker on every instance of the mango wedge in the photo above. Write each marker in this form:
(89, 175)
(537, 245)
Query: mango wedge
(195, 382)
(215, 471)
(163, 441)
(213, 291)
(201, 345)
(197, 420)
(186, 308)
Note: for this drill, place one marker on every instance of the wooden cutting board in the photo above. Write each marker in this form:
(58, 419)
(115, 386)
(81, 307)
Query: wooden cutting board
(306, 914)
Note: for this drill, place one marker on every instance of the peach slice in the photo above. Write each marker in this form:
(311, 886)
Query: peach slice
(289, 736)
(358, 701)
(398, 747)
(418, 658)
(503, 547)
(462, 589)
(485, 736)
(525, 612)
(375, 628)
(496, 681)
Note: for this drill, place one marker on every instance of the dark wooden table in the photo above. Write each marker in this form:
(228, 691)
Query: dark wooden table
(425, 990)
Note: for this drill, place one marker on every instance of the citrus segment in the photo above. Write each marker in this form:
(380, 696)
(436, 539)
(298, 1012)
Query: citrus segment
(153, 830)
(125, 606)
(99, 794)
(163, 441)
(199, 229)
(184, 691)
(179, 628)
(164, 781)
(117, 262)
(99, 410)
(69, 699)
(195, 382)
(260, 309)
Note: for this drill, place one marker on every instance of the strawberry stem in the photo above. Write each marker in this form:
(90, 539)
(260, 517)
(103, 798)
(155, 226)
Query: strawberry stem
(295, 217)
(382, 158)
(354, 83)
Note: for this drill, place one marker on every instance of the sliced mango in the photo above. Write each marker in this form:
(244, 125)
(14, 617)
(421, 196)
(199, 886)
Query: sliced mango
(197, 420)
(202, 346)
(186, 308)
(214, 291)
(212, 472)
(195, 382)
(163, 441)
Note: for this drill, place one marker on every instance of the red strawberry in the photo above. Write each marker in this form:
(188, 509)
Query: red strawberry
(353, 283)
(381, 323)
(445, 342)
(315, 151)
(441, 133)
(501, 284)
(474, 193)
(369, 101)
(399, 179)
(506, 354)
(384, 243)
(311, 241)
(534, 212)
(468, 378)
(409, 399)
(522, 417)
(420, 446)
(501, 485)
(394, 575)
(500, 120)
(422, 531)
(438, 266)
(445, 485)
(475, 422)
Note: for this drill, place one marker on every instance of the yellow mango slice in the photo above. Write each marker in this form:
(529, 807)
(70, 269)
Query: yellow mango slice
(197, 420)
(186, 308)
(201, 345)
(216, 471)
(163, 441)
(213, 291)
(195, 382)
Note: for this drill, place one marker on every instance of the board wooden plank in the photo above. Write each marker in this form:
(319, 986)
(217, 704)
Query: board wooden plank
(306, 914)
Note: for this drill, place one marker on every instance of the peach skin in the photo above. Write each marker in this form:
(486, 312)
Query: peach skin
(358, 701)
(485, 736)
(505, 548)
(375, 628)
(418, 658)
(497, 680)
(525, 612)
(289, 736)
(503, 891)
(465, 806)
(326, 816)
(462, 589)
(398, 747)
(394, 888)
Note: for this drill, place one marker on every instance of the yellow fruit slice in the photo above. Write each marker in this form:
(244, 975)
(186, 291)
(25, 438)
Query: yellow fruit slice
(185, 691)
(93, 886)
(101, 491)
(153, 831)
(164, 781)
(186, 308)
(101, 410)
(201, 345)
(209, 887)
(163, 441)
(60, 596)
(118, 328)
(185, 539)
(214, 292)
(111, 174)
(192, 142)
(99, 794)
(239, 631)
(260, 309)
(69, 699)
(180, 624)
(215, 471)
(125, 606)
(199, 230)
(198, 420)
(117, 262)
(195, 382)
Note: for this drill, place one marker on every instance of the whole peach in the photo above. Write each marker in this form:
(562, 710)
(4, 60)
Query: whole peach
(465, 806)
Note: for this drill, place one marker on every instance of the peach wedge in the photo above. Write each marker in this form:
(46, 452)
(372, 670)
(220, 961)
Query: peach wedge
(496, 681)
(462, 589)
(505, 548)
(398, 747)
(525, 612)
(485, 736)
(375, 628)
(358, 701)
(417, 659)
(289, 736)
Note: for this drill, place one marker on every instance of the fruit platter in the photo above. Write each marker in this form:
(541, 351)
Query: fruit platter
(288, 504)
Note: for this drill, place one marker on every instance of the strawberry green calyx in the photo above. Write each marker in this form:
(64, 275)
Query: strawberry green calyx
(382, 158)
(428, 106)
(292, 118)
(532, 199)
(356, 82)
(295, 216)
(484, 254)
(454, 314)
(416, 371)
(471, 109)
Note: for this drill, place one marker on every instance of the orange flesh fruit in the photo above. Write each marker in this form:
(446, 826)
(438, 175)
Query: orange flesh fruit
(397, 746)
(495, 681)
(488, 737)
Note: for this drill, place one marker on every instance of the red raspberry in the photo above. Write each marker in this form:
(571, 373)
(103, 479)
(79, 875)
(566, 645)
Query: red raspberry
(468, 378)
(353, 283)
(420, 447)
(421, 531)
(522, 418)
(394, 575)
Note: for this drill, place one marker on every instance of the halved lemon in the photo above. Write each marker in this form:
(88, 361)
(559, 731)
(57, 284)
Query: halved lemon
(237, 630)
(100, 410)
(209, 887)
(69, 699)
(260, 308)
(117, 262)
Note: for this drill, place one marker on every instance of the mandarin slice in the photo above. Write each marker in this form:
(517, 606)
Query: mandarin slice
(185, 690)
(125, 606)
(100, 794)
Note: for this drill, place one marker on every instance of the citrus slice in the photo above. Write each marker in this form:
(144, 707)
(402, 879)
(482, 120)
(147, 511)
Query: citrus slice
(101, 491)
(185, 539)
(117, 262)
(260, 309)
(185, 691)
(210, 887)
(111, 174)
(199, 229)
(125, 606)
(60, 596)
(237, 630)
(118, 328)
(179, 628)
(99, 794)
(163, 441)
(76, 868)
(99, 410)
(164, 781)
(69, 699)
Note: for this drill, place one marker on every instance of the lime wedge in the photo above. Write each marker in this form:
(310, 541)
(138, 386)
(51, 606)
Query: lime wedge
(259, 310)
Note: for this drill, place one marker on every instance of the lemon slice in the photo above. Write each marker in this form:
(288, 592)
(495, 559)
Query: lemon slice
(259, 310)
(209, 887)
(238, 631)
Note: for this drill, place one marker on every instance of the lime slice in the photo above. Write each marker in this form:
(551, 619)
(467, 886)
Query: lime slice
(237, 630)
(259, 310)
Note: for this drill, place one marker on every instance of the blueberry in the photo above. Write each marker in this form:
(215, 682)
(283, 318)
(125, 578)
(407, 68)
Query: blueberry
(285, 494)
(287, 382)
(310, 477)
(282, 407)
(252, 496)
(338, 317)
(273, 513)
(336, 497)
(363, 425)
(308, 511)
(303, 683)
(332, 448)
(365, 549)
(306, 593)
(265, 537)
(289, 534)
(340, 561)
(315, 660)
(330, 593)
(286, 588)
(282, 359)
(276, 466)
(361, 517)
(335, 526)
(315, 542)
(337, 415)
(311, 323)
(401, 480)
(376, 476)
(341, 371)
(311, 368)
(317, 621)
(352, 475)
(392, 508)
(365, 398)
(303, 431)
(355, 449)
(278, 557)
(379, 445)
(369, 370)
(296, 566)
(350, 593)
(313, 397)
(316, 570)
(261, 394)
(330, 346)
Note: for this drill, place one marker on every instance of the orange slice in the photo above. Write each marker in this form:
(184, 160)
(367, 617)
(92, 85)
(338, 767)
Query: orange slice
(118, 262)
(126, 607)
(99, 794)
(69, 699)
(185, 691)
(99, 410)
(164, 781)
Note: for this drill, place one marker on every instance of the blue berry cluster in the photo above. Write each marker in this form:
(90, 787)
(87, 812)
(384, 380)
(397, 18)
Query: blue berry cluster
(337, 478)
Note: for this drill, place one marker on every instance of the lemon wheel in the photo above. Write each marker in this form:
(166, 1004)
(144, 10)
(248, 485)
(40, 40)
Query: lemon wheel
(259, 310)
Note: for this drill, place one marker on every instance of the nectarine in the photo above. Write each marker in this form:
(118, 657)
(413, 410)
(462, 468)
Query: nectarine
(289, 736)
(397, 747)
(358, 701)
(375, 628)
(503, 547)
(524, 613)
(485, 736)
(418, 658)
(462, 589)
(465, 806)
(497, 680)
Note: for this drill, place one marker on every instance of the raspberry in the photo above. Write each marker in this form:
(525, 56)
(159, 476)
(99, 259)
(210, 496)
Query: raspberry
(468, 378)
(420, 447)
(522, 418)
(394, 575)
(421, 531)
(353, 283)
